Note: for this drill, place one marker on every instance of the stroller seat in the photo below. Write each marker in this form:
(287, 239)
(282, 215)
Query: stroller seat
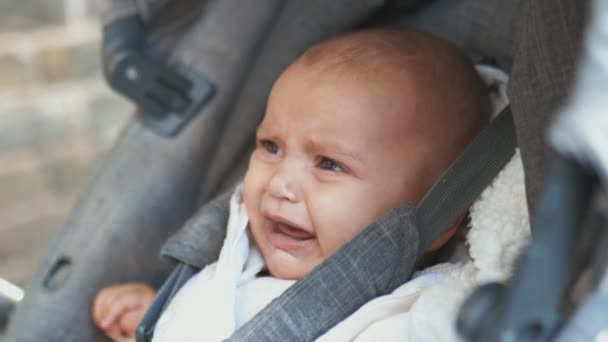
(175, 176)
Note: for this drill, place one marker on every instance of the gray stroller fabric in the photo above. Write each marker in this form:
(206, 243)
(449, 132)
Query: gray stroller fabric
(484, 29)
(207, 227)
(549, 40)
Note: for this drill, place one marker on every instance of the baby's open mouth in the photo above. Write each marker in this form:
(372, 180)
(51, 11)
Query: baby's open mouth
(291, 231)
(288, 237)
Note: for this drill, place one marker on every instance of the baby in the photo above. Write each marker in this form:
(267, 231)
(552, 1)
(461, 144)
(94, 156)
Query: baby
(357, 125)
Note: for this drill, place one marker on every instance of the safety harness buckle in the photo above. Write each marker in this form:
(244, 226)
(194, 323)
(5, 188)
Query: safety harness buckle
(168, 96)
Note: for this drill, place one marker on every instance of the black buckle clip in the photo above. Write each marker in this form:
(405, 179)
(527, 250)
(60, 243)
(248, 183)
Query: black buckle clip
(168, 95)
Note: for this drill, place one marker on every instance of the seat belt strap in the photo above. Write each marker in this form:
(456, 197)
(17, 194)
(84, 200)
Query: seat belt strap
(177, 279)
(466, 178)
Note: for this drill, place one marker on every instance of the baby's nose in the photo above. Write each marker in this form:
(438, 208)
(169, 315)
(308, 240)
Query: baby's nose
(283, 185)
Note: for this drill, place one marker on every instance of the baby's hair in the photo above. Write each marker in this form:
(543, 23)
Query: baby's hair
(367, 50)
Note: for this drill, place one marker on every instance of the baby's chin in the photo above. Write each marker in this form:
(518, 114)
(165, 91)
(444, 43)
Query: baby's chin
(283, 265)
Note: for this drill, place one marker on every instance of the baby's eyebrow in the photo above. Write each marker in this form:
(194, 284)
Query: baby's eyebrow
(261, 130)
(336, 148)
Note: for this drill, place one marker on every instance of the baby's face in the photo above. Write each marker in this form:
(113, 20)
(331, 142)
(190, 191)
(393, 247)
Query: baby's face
(331, 157)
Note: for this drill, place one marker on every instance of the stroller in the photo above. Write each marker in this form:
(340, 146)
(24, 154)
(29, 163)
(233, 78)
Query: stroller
(237, 50)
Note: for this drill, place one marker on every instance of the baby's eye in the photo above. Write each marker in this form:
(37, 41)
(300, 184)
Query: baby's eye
(270, 146)
(330, 165)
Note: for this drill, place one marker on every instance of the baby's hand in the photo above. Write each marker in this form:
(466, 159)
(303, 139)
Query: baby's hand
(118, 309)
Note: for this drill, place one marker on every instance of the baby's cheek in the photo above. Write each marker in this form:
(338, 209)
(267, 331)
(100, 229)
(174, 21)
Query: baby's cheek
(256, 232)
(337, 222)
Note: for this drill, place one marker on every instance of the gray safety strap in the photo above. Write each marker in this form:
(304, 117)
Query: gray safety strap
(374, 263)
(468, 176)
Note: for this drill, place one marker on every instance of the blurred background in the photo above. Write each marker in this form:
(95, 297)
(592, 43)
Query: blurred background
(57, 120)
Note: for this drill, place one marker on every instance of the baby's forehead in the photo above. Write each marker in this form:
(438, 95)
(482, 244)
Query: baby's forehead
(384, 63)
(383, 104)
(414, 81)
(355, 118)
